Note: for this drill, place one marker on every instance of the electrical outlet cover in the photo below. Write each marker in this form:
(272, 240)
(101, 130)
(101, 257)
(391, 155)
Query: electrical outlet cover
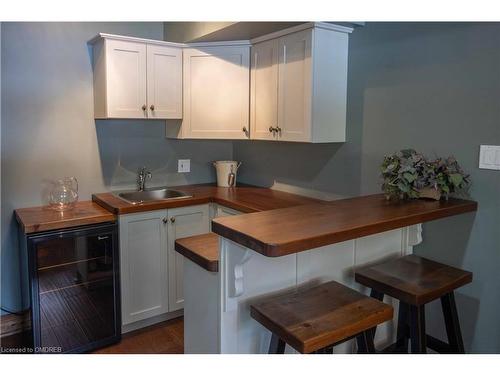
(184, 166)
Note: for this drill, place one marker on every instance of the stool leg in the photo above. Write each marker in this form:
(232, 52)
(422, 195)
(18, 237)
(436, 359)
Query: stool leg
(380, 296)
(417, 329)
(402, 331)
(365, 342)
(377, 295)
(277, 345)
(452, 323)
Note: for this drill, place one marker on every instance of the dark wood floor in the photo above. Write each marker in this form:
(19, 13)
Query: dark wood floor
(162, 338)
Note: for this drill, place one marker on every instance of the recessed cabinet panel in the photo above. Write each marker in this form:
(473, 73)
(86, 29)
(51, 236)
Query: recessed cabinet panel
(143, 259)
(295, 81)
(164, 82)
(183, 222)
(216, 93)
(264, 90)
(126, 79)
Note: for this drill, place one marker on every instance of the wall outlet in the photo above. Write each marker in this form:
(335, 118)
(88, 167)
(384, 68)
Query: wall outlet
(184, 166)
(489, 157)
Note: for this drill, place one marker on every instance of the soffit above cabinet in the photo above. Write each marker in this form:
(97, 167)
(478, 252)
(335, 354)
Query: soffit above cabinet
(225, 31)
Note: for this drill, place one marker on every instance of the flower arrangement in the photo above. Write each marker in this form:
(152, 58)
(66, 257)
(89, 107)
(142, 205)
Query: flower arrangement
(407, 174)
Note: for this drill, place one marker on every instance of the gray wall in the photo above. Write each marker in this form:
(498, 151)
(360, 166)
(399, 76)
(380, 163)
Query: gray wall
(436, 88)
(48, 130)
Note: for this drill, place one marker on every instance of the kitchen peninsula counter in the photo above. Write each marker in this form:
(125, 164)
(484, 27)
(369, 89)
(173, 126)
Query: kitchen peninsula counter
(272, 251)
(291, 230)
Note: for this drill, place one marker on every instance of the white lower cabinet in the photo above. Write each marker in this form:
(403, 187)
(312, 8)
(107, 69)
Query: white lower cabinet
(182, 222)
(220, 211)
(150, 269)
(143, 265)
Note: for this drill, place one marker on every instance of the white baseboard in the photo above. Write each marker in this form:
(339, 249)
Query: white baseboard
(150, 321)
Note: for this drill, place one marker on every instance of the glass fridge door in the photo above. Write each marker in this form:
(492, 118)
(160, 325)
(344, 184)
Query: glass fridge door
(76, 288)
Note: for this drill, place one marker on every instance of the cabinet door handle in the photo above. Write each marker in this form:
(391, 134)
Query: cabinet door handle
(144, 106)
(172, 220)
(244, 129)
(152, 107)
(278, 130)
(271, 129)
(165, 220)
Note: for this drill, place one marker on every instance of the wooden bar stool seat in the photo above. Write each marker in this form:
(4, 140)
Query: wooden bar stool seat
(416, 281)
(318, 318)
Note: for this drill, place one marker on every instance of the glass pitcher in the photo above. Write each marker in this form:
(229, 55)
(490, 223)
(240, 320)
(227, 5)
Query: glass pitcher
(64, 194)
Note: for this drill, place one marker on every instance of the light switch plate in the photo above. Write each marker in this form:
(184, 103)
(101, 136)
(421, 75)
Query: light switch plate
(184, 166)
(489, 157)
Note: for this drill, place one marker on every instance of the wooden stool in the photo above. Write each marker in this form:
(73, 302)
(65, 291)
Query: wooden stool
(316, 319)
(416, 281)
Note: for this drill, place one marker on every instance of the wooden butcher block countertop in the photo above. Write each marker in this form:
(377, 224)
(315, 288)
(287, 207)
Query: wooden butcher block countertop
(202, 249)
(241, 198)
(41, 219)
(291, 230)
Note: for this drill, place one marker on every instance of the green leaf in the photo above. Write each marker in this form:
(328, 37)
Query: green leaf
(456, 179)
(404, 188)
(410, 177)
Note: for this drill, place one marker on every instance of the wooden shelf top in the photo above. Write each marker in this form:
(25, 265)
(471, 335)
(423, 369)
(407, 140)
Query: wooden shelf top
(291, 230)
(40, 219)
(242, 198)
(202, 250)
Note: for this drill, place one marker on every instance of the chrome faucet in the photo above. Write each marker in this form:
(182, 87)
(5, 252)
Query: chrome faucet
(142, 175)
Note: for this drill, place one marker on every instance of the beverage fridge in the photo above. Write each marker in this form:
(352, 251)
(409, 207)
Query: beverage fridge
(74, 288)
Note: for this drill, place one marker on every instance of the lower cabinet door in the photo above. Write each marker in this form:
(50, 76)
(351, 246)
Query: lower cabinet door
(182, 222)
(143, 265)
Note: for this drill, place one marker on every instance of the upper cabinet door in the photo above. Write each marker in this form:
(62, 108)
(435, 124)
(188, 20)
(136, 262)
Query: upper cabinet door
(295, 87)
(264, 90)
(164, 82)
(216, 92)
(126, 79)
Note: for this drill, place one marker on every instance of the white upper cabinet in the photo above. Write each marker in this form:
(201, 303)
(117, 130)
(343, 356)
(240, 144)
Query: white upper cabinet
(216, 93)
(264, 90)
(299, 84)
(125, 79)
(164, 82)
(136, 78)
(295, 87)
(295, 90)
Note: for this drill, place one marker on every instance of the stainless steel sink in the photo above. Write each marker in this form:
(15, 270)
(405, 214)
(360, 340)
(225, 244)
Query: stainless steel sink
(159, 194)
